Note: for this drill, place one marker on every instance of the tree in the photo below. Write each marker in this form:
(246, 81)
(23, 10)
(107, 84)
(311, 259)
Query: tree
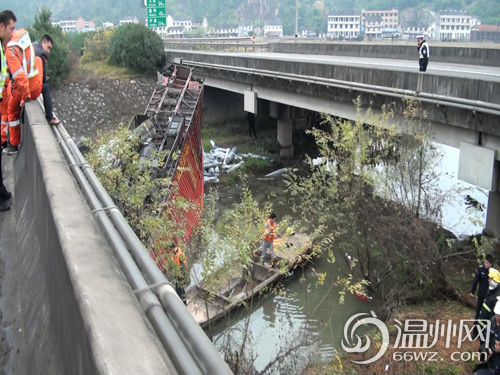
(143, 199)
(96, 47)
(138, 47)
(375, 205)
(57, 65)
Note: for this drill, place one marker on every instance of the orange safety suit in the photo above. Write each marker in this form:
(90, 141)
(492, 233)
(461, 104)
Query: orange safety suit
(27, 75)
(4, 131)
(269, 230)
(176, 257)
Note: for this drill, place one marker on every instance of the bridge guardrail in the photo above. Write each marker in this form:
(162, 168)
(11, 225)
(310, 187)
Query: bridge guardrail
(78, 313)
(226, 47)
(182, 337)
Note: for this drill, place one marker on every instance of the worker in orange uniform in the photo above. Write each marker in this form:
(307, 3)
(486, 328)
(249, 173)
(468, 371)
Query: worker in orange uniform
(7, 25)
(26, 71)
(180, 272)
(269, 228)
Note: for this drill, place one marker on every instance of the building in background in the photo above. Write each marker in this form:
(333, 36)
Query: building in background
(344, 25)
(72, 25)
(485, 33)
(273, 29)
(184, 22)
(389, 19)
(107, 25)
(454, 25)
(225, 31)
(412, 29)
(200, 23)
(129, 19)
(67, 25)
(373, 26)
(308, 33)
(245, 28)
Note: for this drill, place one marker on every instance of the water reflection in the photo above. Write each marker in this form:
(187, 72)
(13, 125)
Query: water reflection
(302, 303)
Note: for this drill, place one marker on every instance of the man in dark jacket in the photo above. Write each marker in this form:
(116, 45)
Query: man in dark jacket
(481, 278)
(492, 367)
(423, 52)
(490, 301)
(42, 49)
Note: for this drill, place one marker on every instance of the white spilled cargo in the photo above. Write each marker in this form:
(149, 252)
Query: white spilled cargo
(225, 160)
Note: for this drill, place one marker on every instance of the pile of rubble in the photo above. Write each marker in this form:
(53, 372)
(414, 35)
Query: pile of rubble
(224, 160)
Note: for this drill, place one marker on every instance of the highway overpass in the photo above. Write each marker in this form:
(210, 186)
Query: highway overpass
(460, 102)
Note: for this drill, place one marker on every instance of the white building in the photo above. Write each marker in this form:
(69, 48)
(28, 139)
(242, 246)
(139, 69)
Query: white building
(130, 19)
(200, 23)
(273, 29)
(224, 32)
(373, 26)
(183, 22)
(344, 24)
(244, 29)
(308, 33)
(454, 25)
(108, 25)
(67, 25)
(412, 29)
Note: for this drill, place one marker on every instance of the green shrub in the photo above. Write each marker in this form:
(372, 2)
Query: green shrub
(137, 47)
(76, 41)
(96, 48)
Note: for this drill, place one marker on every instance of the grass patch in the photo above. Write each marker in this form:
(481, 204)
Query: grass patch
(443, 365)
(82, 71)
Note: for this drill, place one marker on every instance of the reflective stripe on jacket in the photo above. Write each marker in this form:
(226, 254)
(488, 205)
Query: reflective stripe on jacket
(423, 51)
(21, 61)
(3, 68)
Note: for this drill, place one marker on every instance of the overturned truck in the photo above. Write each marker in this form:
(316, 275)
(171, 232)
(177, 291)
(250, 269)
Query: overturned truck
(171, 127)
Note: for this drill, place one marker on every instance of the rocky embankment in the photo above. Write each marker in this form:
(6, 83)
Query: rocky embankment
(100, 104)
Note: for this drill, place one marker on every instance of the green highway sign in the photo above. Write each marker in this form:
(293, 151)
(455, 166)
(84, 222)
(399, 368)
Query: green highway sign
(157, 21)
(155, 3)
(156, 12)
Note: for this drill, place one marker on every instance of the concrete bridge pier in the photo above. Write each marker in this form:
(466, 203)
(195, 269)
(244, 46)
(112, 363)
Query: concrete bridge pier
(283, 113)
(478, 166)
(492, 228)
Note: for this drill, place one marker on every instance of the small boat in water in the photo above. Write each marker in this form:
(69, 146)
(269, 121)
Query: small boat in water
(207, 307)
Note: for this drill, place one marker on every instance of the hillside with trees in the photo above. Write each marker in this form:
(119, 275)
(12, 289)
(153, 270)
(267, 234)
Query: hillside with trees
(312, 13)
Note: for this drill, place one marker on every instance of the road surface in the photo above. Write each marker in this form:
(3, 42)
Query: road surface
(487, 73)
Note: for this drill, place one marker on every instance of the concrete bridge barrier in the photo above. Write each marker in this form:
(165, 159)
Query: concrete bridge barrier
(450, 54)
(79, 314)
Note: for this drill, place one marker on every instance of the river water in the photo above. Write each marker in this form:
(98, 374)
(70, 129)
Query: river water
(302, 303)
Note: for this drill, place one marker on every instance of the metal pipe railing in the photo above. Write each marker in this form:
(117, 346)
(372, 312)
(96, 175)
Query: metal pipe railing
(167, 333)
(473, 105)
(200, 347)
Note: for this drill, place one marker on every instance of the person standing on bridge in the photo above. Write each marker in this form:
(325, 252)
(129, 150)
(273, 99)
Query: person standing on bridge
(180, 271)
(27, 72)
(7, 25)
(423, 52)
(42, 50)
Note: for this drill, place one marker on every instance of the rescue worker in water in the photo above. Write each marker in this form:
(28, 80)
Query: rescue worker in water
(180, 271)
(27, 73)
